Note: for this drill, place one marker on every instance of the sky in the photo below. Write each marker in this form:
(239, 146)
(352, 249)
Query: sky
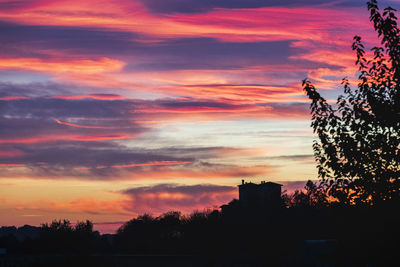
(110, 109)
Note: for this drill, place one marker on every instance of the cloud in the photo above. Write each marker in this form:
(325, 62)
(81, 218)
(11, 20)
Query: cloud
(11, 165)
(209, 110)
(67, 108)
(95, 49)
(248, 24)
(44, 119)
(10, 98)
(100, 160)
(98, 155)
(90, 96)
(209, 53)
(80, 126)
(29, 90)
(193, 6)
(186, 198)
(91, 206)
(62, 66)
(153, 163)
(90, 136)
(304, 157)
(85, 205)
(81, 118)
(63, 40)
(253, 41)
(10, 153)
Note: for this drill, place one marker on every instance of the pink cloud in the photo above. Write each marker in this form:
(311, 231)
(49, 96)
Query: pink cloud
(101, 137)
(62, 66)
(269, 23)
(10, 153)
(81, 126)
(93, 96)
(56, 137)
(10, 98)
(153, 163)
(186, 198)
(11, 165)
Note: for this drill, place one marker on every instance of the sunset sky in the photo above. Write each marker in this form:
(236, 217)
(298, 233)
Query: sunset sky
(110, 109)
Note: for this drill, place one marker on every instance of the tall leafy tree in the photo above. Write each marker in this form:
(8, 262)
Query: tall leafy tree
(358, 151)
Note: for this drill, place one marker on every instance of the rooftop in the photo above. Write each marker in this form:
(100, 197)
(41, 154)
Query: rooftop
(263, 183)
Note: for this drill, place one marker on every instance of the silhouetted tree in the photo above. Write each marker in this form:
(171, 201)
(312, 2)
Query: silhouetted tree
(138, 235)
(56, 236)
(359, 138)
(62, 236)
(84, 227)
(312, 196)
(59, 226)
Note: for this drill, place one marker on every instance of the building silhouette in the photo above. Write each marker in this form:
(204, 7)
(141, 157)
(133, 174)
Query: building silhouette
(265, 194)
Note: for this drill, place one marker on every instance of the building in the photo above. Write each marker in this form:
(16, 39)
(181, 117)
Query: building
(266, 194)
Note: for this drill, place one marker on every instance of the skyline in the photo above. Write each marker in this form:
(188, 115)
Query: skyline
(110, 109)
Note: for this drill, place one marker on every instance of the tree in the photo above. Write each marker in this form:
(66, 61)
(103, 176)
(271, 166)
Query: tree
(84, 227)
(312, 196)
(58, 226)
(62, 236)
(358, 152)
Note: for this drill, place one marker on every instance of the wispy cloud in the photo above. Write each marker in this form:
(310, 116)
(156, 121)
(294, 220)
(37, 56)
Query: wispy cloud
(166, 197)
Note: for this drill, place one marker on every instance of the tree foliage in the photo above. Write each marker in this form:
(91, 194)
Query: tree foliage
(62, 236)
(311, 197)
(358, 152)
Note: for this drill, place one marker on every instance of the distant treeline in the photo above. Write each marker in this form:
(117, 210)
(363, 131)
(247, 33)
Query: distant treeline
(361, 234)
